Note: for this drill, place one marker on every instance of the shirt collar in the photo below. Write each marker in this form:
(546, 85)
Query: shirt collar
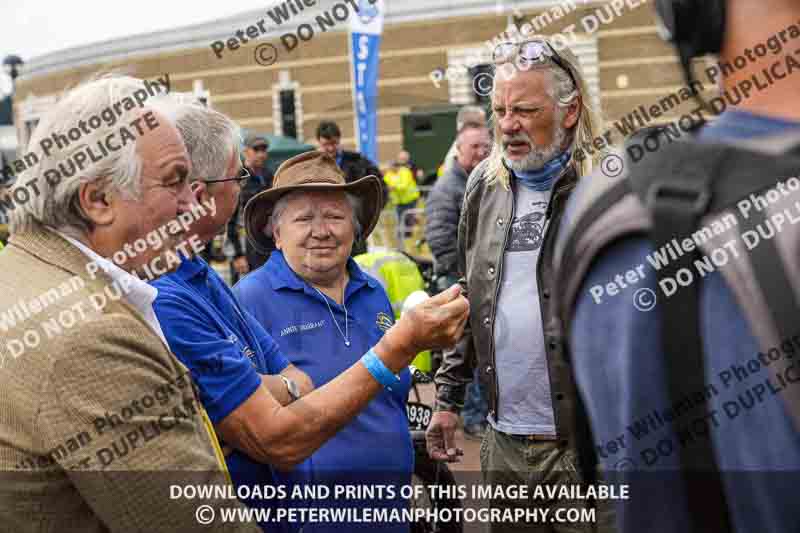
(283, 277)
(191, 267)
(138, 293)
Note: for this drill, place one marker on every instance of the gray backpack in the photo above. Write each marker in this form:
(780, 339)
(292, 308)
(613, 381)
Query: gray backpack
(691, 199)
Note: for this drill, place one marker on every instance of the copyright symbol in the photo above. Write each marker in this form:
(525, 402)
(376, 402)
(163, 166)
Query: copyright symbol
(204, 515)
(644, 300)
(612, 165)
(482, 84)
(265, 54)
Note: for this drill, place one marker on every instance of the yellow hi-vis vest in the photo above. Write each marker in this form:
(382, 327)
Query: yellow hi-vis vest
(402, 186)
(399, 277)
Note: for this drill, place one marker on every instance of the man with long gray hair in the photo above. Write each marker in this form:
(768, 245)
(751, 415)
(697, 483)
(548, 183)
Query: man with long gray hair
(95, 409)
(513, 204)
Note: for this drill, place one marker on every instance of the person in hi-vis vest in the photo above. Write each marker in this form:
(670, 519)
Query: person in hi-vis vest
(400, 277)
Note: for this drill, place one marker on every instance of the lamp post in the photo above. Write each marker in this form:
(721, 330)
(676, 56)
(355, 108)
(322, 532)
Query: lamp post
(11, 68)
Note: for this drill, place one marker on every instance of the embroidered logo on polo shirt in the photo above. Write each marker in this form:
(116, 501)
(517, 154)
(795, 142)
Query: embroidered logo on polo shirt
(384, 321)
(288, 330)
(246, 350)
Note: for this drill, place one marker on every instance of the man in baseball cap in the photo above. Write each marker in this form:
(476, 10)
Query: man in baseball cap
(247, 258)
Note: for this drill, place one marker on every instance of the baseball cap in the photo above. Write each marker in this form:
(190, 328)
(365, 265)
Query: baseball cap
(251, 141)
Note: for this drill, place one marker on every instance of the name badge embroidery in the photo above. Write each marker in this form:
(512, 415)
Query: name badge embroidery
(246, 350)
(299, 328)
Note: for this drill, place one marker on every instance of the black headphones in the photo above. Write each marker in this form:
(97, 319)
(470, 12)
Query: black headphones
(695, 27)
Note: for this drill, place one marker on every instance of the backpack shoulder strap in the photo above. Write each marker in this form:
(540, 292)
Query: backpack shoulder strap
(765, 275)
(676, 189)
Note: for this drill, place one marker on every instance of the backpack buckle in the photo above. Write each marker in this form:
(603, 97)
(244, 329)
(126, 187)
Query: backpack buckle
(692, 197)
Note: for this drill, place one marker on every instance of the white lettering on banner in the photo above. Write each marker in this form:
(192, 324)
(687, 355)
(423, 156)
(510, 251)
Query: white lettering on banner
(361, 68)
(361, 56)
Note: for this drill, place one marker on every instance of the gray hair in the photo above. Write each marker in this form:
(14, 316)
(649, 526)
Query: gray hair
(57, 204)
(211, 138)
(470, 126)
(470, 113)
(564, 92)
(280, 207)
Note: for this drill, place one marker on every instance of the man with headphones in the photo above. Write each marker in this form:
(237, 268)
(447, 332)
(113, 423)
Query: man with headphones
(690, 377)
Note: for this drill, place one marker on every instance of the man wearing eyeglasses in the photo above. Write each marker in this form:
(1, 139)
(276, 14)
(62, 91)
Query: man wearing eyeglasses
(266, 412)
(512, 208)
(259, 177)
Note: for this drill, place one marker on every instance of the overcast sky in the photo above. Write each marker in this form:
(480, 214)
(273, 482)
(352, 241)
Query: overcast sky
(32, 28)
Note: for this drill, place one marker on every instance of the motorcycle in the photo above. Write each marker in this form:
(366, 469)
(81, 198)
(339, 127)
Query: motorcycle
(428, 472)
(433, 284)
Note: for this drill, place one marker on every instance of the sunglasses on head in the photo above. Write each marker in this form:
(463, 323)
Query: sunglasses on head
(534, 52)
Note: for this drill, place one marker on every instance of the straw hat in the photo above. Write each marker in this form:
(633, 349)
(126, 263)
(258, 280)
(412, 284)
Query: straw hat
(310, 171)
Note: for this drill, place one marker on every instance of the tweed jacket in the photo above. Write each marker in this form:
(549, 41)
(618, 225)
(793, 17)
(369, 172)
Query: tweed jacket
(97, 417)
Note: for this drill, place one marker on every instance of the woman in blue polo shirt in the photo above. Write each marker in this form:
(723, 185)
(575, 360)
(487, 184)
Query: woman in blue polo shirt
(324, 312)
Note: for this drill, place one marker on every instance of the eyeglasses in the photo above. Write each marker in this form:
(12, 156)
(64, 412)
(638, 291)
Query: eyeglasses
(533, 52)
(244, 175)
(259, 148)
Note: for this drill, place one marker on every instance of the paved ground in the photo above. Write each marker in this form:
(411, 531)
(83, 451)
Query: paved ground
(470, 462)
(468, 470)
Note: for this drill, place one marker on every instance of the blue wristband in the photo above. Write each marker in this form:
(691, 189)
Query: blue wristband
(378, 370)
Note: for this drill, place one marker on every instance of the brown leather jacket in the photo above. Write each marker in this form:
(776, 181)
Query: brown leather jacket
(483, 232)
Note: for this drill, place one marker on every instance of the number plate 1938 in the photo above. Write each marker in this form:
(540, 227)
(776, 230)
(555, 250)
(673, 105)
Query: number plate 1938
(419, 415)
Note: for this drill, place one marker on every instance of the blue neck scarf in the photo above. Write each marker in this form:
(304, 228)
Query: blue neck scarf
(543, 179)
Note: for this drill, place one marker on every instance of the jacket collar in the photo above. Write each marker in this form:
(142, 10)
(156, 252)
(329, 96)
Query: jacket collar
(459, 171)
(48, 246)
(562, 187)
(139, 293)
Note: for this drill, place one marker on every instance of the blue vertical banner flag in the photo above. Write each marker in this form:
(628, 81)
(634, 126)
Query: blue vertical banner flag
(366, 26)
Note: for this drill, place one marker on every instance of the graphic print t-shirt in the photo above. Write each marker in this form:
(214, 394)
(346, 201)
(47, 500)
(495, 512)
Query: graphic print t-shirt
(524, 403)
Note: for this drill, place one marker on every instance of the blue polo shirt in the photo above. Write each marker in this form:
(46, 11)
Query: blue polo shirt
(619, 368)
(376, 445)
(226, 351)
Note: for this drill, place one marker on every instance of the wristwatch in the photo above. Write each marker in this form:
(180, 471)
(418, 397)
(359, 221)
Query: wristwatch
(291, 387)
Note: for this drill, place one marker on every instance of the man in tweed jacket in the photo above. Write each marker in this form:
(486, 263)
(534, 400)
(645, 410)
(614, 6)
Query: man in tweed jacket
(97, 417)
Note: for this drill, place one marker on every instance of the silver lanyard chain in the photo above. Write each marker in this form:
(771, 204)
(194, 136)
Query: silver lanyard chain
(346, 334)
